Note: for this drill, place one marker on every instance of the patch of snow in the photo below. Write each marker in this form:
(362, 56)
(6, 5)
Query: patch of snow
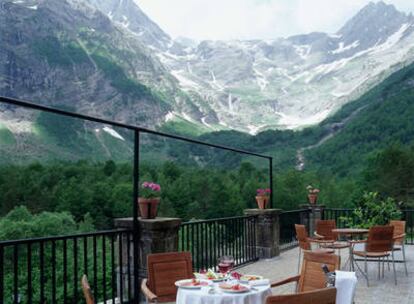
(261, 80)
(17, 126)
(186, 117)
(303, 50)
(230, 103)
(341, 48)
(112, 132)
(391, 40)
(203, 120)
(169, 116)
(110, 15)
(189, 68)
(97, 130)
(253, 130)
(33, 7)
(335, 36)
(293, 122)
(184, 81)
(125, 21)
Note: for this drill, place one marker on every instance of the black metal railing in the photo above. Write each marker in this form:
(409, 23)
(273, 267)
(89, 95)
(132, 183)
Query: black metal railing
(138, 131)
(288, 219)
(48, 269)
(339, 215)
(408, 217)
(208, 240)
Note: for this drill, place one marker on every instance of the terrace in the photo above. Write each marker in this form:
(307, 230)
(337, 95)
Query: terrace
(48, 269)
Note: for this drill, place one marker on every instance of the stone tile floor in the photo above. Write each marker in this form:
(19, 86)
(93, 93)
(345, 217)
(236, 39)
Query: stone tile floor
(380, 291)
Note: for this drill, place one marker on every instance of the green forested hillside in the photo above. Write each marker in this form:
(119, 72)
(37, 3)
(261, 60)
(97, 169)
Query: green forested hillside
(386, 117)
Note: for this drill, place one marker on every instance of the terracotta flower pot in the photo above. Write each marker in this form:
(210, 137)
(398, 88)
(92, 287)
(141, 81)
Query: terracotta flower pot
(262, 201)
(148, 207)
(312, 197)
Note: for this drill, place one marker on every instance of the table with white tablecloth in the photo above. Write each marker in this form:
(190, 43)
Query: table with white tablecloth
(214, 295)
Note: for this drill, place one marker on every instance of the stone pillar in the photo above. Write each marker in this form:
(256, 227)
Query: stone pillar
(157, 235)
(267, 231)
(315, 213)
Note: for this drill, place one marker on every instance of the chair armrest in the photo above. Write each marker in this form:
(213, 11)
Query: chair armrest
(318, 236)
(151, 297)
(357, 241)
(320, 241)
(285, 281)
(400, 236)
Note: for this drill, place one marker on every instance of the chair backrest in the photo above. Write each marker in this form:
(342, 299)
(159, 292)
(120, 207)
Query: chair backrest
(166, 268)
(380, 239)
(302, 237)
(87, 290)
(311, 275)
(399, 228)
(325, 227)
(319, 296)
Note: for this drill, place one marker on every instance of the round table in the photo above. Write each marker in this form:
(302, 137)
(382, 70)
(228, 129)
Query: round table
(349, 233)
(257, 295)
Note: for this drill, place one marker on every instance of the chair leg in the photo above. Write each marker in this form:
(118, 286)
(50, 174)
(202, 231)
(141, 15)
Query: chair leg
(366, 269)
(299, 259)
(388, 262)
(393, 267)
(383, 266)
(405, 262)
(379, 268)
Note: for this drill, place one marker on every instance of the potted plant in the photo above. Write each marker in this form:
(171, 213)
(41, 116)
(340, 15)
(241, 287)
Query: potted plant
(262, 197)
(312, 194)
(149, 200)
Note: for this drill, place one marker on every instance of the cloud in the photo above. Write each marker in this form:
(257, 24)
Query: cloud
(253, 19)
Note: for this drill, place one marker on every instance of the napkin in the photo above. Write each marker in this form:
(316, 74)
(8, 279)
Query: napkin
(345, 283)
(259, 282)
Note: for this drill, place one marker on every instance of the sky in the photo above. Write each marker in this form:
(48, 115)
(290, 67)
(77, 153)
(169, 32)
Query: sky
(253, 19)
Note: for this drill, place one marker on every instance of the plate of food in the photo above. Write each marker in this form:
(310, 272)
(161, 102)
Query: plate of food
(209, 275)
(192, 283)
(234, 288)
(250, 277)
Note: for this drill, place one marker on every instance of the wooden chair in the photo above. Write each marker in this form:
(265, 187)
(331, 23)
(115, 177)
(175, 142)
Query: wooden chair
(305, 242)
(312, 276)
(324, 231)
(399, 240)
(319, 296)
(377, 247)
(87, 290)
(163, 270)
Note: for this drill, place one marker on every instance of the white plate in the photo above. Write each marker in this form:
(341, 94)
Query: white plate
(234, 291)
(203, 276)
(204, 283)
(244, 279)
(247, 289)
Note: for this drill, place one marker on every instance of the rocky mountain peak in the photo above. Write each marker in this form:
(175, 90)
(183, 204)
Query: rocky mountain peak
(373, 24)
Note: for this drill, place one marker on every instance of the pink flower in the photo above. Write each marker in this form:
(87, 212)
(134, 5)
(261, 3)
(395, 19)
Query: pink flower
(145, 184)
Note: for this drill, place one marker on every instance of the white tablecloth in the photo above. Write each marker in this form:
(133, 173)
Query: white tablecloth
(202, 296)
(345, 283)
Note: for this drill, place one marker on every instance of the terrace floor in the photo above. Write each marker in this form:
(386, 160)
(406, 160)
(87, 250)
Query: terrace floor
(380, 291)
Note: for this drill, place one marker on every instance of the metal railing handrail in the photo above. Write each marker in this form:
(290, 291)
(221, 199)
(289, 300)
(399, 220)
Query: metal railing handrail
(220, 219)
(35, 106)
(62, 237)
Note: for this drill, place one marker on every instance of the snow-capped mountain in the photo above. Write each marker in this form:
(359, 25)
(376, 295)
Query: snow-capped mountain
(248, 85)
(289, 83)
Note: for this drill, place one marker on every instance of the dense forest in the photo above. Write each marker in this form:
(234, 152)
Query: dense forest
(96, 193)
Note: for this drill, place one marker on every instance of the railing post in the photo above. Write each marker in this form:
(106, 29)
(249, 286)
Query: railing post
(135, 226)
(267, 230)
(315, 213)
(271, 181)
(156, 236)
